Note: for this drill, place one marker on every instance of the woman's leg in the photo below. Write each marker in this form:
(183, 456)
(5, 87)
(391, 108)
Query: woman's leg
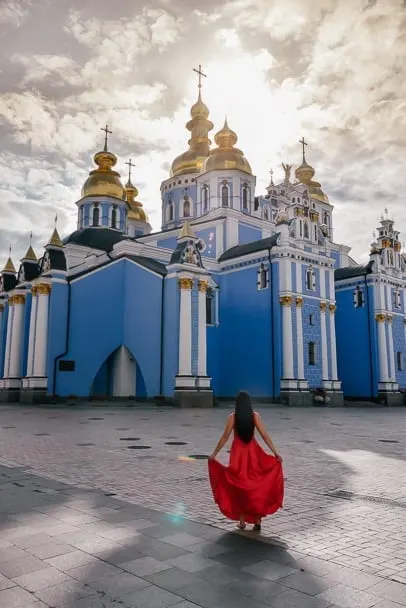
(257, 525)
(241, 524)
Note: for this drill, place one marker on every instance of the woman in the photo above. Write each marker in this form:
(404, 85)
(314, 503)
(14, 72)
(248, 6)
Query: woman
(251, 487)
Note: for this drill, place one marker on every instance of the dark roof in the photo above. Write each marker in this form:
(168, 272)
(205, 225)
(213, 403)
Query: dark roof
(8, 282)
(96, 238)
(30, 269)
(53, 259)
(350, 272)
(149, 263)
(254, 246)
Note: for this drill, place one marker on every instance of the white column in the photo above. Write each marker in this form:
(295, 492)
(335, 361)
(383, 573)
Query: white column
(9, 336)
(202, 331)
(185, 327)
(334, 375)
(33, 326)
(323, 327)
(41, 338)
(382, 350)
(299, 332)
(17, 334)
(287, 341)
(124, 374)
(391, 353)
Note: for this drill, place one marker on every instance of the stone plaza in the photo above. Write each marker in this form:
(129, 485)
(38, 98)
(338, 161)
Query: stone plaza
(111, 506)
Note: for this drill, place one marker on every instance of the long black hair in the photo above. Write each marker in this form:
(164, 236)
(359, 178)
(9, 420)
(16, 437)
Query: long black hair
(244, 417)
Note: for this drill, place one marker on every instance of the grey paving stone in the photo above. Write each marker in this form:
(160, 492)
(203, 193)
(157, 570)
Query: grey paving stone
(306, 583)
(41, 579)
(71, 560)
(347, 597)
(390, 590)
(157, 549)
(121, 584)
(387, 604)
(258, 589)
(222, 575)
(17, 567)
(49, 550)
(181, 540)
(65, 592)
(173, 579)
(5, 582)
(152, 597)
(208, 549)
(15, 598)
(123, 555)
(186, 604)
(94, 571)
(145, 566)
(32, 540)
(191, 563)
(272, 571)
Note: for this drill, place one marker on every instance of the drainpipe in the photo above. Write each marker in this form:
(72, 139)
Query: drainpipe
(161, 375)
(56, 359)
(369, 336)
(272, 325)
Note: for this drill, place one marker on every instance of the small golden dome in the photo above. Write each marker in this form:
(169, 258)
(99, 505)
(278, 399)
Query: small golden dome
(55, 240)
(9, 267)
(30, 255)
(136, 211)
(192, 160)
(304, 174)
(225, 156)
(103, 181)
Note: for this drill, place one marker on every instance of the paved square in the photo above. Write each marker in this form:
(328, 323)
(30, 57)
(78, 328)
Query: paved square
(88, 520)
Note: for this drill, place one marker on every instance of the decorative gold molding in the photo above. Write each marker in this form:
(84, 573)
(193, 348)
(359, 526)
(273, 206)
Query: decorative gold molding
(18, 298)
(34, 290)
(299, 302)
(332, 308)
(44, 289)
(203, 285)
(286, 300)
(323, 306)
(185, 283)
(380, 318)
(389, 318)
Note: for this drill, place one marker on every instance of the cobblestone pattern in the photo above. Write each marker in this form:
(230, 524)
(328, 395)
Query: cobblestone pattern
(324, 450)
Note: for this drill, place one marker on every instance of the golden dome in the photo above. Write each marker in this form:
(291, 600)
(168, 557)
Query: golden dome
(103, 181)
(192, 160)
(9, 267)
(304, 174)
(136, 210)
(225, 156)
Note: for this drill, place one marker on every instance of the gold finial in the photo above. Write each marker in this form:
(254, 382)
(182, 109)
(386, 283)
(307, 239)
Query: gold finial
(186, 232)
(9, 267)
(226, 156)
(130, 166)
(107, 132)
(55, 239)
(30, 255)
(302, 141)
(200, 74)
(271, 174)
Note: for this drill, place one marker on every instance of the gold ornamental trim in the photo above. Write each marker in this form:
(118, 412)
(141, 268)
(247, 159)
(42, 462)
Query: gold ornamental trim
(34, 290)
(299, 302)
(203, 285)
(18, 298)
(323, 306)
(185, 283)
(332, 308)
(380, 318)
(44, 289)
(286, 300)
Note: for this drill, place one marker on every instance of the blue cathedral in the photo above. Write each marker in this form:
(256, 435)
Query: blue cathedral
(238, 291)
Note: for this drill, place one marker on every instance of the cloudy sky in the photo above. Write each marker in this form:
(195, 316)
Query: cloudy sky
(331, 70)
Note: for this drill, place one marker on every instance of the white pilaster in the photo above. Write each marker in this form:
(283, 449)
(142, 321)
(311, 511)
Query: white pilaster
(382, 350)
(33, 328)
(391, 353)
(9, 336)
(124, 374)
(17, 337)
(185, 327)
(202, 330)
(299, 332)
(323, 327)
(287, 341)
(334, 375)
(41, 337)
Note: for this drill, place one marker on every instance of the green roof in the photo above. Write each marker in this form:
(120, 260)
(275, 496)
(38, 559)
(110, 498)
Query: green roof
(247, 248)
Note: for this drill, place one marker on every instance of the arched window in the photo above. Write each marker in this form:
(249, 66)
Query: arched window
(81, 215)
(170, 211)
(358, 297)
(315, 233)
(306, 230)
(266, 214)
(245, 198)
(310, 279)
(210, 312)
(114, 217)
(312, 353)
(262, 277)
(96, 215)
(186, 206)
(205, 198)
(224, 195)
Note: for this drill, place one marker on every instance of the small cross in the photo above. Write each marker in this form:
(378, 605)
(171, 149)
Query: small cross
(106, 130)
(302, 141)
(130, 165)
(200, 73)
(56, 219)
(271, 173)
(30, 238)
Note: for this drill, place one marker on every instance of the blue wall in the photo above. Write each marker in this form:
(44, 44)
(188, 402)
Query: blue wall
(3, 337)
(399, 345)
(248, 234)
(57, 324)
(312, 333)
(109, 309)
(245, 336)
(354, 349)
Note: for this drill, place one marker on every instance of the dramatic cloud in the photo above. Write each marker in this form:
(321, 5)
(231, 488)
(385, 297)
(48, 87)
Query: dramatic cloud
(331, 70)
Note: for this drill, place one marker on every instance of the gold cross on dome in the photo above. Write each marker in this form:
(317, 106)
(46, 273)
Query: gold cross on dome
(302, 141)
(130, 166)
(106, 131)
(200, 73)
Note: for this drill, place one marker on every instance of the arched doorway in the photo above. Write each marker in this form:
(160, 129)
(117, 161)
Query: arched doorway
(118, 376)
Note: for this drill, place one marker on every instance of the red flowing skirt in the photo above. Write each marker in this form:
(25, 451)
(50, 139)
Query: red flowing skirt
(252, 485)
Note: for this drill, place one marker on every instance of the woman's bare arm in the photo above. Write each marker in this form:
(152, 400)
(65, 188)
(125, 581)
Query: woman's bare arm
(264, 434)
(224, 438)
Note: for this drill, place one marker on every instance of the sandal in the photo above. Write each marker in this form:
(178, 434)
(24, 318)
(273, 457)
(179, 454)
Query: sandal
(257, 528)
(241, 526)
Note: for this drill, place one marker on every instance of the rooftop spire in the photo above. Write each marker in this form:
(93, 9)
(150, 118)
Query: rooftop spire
(200, 74)
(302, 141)
(106, 131)
(9, 267)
